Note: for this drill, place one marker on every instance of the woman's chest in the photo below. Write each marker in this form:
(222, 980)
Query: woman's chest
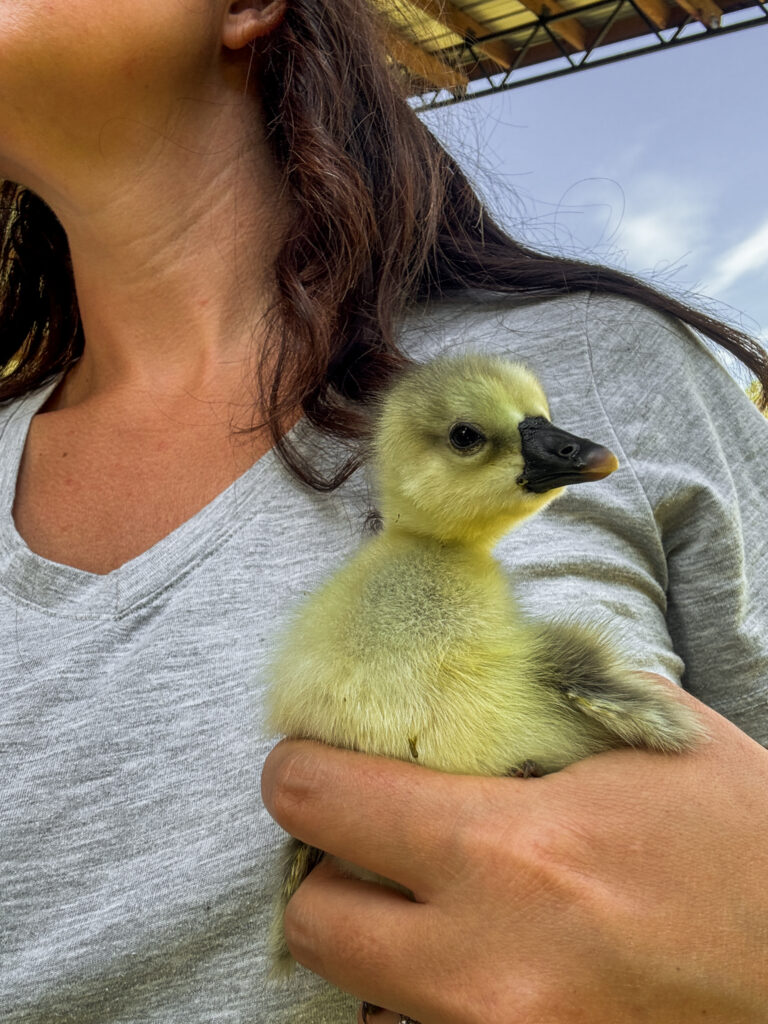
(97, 500)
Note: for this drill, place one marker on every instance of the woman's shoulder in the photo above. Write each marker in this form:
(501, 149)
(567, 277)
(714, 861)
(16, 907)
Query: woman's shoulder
(474, 318)
(509, 321)
(615, 341)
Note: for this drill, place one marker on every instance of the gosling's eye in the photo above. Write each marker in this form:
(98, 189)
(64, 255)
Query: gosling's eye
(465, 438)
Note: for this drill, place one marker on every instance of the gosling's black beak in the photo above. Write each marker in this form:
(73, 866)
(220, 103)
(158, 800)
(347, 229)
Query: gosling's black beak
(553, 457)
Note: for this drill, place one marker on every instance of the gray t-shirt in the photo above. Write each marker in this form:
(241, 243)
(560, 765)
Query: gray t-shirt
(136, 859)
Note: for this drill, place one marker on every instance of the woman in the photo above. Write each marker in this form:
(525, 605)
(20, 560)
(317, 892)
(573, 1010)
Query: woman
(258, 229)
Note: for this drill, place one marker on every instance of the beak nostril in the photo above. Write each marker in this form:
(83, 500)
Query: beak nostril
(568, 450)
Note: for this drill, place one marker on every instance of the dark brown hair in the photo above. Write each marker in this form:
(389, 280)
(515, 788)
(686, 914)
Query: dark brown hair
(384, 219)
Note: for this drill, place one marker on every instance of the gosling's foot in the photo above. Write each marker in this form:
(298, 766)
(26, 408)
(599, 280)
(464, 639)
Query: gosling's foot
(527, 770)
(369, 1010)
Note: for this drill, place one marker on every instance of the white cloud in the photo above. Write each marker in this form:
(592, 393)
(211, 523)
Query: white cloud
(657, 236)
(748, 256)
(666, 222)
(651, 222)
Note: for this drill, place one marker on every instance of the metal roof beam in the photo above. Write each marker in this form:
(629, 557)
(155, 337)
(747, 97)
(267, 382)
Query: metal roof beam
(527, 58)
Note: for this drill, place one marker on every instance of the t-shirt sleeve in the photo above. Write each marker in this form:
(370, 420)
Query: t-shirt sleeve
(698, 449)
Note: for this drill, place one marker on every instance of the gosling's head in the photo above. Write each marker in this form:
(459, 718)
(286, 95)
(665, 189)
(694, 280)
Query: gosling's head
(463, 449)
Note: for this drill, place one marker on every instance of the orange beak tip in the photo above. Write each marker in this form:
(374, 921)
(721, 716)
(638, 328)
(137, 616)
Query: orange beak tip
(603, 466)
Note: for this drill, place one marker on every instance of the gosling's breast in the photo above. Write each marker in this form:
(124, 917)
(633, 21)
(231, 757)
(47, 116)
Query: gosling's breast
(411, 597)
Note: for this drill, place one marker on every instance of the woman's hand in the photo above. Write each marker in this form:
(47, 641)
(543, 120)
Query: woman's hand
(631, 886)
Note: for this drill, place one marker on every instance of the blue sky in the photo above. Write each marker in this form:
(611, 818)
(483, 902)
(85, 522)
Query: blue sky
(656, 164)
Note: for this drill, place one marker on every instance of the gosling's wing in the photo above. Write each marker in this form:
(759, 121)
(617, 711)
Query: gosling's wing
(581, 662)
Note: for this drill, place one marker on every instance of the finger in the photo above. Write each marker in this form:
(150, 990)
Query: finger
(361, 936)
(396, 819)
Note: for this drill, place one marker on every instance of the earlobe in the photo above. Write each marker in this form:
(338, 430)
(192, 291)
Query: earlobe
(247, 20)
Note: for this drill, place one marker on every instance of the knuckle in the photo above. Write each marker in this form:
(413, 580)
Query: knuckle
(291, 787)
(556, 856)
(542, 845)
(461, 841)
(299, 930)
(475, 835)
(316, 938)
(485, 841)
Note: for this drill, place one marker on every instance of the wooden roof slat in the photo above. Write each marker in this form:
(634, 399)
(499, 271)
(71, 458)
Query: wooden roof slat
(422, 65)
(705, 11)
(656, 10)
(546, 50)
(452, 44)
(468, 28)
(569, 29)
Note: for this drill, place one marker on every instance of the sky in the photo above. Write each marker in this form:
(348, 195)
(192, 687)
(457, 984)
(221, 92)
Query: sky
(655, 164)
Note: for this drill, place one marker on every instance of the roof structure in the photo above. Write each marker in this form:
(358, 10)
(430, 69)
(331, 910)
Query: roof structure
(454, 50)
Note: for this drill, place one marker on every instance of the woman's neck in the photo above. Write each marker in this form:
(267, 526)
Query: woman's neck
(173, 258)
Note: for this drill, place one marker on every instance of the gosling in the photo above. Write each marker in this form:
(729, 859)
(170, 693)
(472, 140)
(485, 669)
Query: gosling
(416, 649)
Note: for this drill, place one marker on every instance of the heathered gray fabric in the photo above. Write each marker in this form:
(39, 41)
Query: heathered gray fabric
(135, 857)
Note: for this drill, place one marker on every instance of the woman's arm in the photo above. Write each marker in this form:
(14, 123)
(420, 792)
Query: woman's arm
(628, 887)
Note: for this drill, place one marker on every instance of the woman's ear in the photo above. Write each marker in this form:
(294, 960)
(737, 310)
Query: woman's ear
(247, 20)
